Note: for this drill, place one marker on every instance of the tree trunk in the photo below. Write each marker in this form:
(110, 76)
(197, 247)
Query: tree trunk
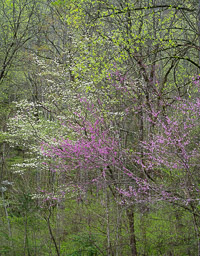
(51, 233)
(130, 215)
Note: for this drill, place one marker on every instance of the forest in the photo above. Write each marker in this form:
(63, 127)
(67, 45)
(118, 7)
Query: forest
(100, 127)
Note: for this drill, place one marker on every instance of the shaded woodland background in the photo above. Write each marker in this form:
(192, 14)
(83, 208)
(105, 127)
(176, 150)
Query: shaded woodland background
(99, 127)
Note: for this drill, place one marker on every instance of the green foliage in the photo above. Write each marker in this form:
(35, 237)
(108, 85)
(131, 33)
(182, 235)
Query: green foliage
(85, 245)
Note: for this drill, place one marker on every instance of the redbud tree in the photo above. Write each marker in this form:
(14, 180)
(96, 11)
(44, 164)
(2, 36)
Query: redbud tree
(162, 166)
